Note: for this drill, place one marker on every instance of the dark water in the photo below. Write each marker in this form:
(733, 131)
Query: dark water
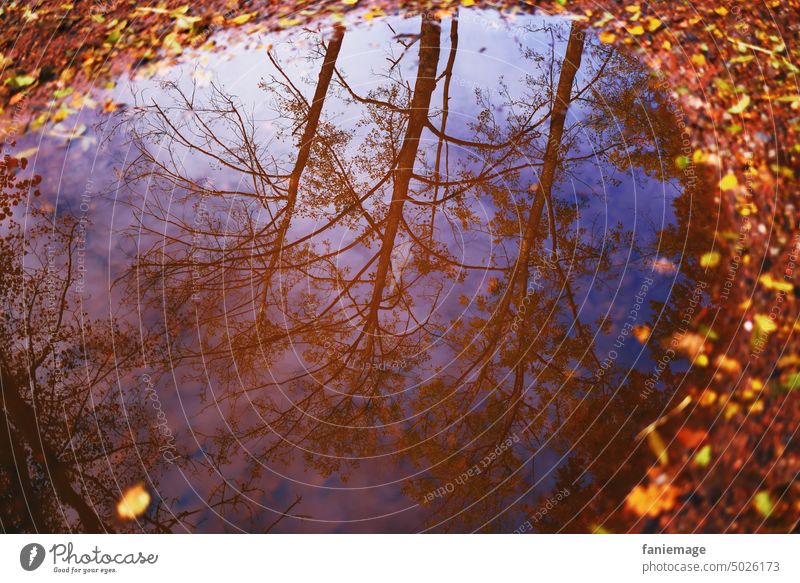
(405, 274)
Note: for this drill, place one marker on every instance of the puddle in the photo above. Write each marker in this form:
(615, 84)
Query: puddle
(402, 274)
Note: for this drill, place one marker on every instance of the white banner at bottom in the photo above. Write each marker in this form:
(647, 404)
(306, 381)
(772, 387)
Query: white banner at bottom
(400, 558)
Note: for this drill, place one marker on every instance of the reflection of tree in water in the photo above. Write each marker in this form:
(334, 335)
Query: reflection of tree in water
(71, 438)
(317, 258)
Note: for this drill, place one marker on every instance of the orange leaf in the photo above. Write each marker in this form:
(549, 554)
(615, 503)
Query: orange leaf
(691, 438)
(134, 502)
(651, 500)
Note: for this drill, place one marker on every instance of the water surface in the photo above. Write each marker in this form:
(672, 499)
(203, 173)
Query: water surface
(397, 274)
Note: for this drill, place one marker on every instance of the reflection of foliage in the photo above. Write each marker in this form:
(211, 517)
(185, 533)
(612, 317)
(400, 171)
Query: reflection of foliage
(326, 319)
(13, 188)
(70, 435)
(335, 297)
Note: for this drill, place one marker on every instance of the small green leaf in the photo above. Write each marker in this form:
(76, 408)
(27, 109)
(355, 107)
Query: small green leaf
(741, 105)
(61, 93)
(21, 81)
(791, 382)
(708, 332)
(114, 36)
(703, 457)
(722, 84)
(763, 503)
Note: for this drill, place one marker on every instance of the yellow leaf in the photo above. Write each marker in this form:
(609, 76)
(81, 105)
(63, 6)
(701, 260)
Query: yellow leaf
(134, 502)
(467, 2)
(765, 323)
(731, 409)
(172, 44)
(242, 18)
(710, 259)
(62, 114)
(730, 365)
(707, 398)
(728, 182)
(699, 60)
(746, 209)
(658, 447)
(27, 153)
(740, 106)
(722, 11)
(607, 37)
(607, 17)
(768, 282)
(653, 24)
(637, 30)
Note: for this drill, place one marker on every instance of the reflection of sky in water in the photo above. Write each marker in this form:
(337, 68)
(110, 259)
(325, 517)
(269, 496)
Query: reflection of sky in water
(489, 51)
